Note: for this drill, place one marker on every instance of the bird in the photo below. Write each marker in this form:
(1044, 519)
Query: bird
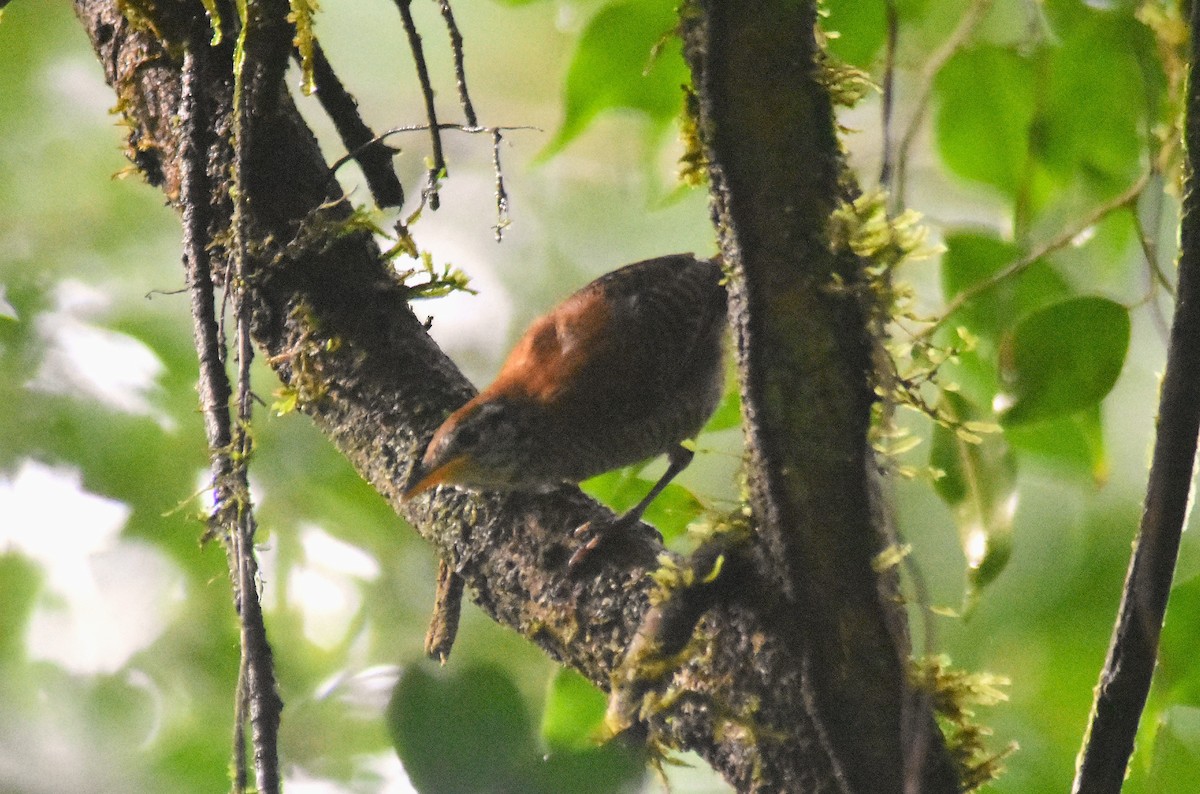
(624, 370)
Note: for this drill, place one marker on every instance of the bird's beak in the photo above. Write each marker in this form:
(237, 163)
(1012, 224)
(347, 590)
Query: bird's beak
(423, 479)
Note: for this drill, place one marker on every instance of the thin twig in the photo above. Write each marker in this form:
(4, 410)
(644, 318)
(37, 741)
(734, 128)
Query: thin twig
(889, 94)
(1133, 651)
(214, 389)
(501, 194)
(213, 384)
(373, 157)
(502, 220)
(438, 169)
(1129, 197)
(460, 73)
(252, 84)
(239, 729)
(338, 163)
(1155, 277)
(962, 32)
(1150, 210)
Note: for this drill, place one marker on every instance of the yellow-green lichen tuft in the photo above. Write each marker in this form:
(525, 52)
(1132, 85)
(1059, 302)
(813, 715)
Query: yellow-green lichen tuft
(955, 694)
(301, 16)
(307, 384)
(437, 281)
(908, 361)
(693, 163)
(846, 84)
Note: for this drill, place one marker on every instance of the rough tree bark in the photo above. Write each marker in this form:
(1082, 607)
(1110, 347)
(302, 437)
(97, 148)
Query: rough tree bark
(798, 690)
(805, 361)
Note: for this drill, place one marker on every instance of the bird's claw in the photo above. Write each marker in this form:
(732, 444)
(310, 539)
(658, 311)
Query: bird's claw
(586, 549)
(596, 532)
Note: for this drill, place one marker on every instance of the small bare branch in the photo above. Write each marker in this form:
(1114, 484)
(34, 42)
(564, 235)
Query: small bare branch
(1062, 240)
(962, 32)
(372, 156)
(263, 46)
(460, 74)
(501, 194)
(438, 169)
(889, 94)
(1133, 651)
(447, 607)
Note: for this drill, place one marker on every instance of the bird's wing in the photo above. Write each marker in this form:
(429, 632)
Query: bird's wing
(626, 339)
(552, 355)
(674, 307)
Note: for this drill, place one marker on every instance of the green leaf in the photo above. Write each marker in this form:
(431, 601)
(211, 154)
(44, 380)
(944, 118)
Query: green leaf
(464, 731)
(860, 29)
(670, 513)
(7, 312)
(627, 58)
(976, 256)
(574, 712)
(572, 724)
(20, 582)
(615, 768)
(729, 411)
(1176, 752)
(979, 485)
(985, 118)
(1178, 674)
(973, 257)
(1072, 443)
(1063, 358)
(1088, 140)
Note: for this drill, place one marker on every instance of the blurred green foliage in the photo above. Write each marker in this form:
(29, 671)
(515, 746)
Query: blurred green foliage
(626, 59)
(119, 649)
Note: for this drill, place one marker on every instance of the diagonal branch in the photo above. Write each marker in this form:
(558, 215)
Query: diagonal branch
(373, 157)
(1133, 651)
(821, 704)
(1128, 198)
(334, 313)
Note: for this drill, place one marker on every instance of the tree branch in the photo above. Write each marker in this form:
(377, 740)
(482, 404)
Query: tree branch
(762, 701)
(437, 170)
(804, 364)
(372, 155)
(1133, 651)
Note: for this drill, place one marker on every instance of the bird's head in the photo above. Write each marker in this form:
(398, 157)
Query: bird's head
(478, 446)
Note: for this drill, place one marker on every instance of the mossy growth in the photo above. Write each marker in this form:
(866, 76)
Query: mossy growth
(846, 84)
(908, 361)
(643, 686)
(693, 163)
(301, 16)
(306, 383)
(954, 696)
(438, 281)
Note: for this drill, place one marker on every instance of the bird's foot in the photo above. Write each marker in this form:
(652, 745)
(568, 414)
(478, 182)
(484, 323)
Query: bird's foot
(595, 533)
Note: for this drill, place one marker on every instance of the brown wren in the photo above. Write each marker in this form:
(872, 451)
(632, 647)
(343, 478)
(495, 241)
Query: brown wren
(623, 370)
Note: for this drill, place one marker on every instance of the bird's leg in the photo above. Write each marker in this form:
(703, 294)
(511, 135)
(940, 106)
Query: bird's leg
(678, 459)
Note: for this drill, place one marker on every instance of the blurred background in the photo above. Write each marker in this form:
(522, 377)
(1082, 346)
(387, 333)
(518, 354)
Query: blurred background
(118, 643)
